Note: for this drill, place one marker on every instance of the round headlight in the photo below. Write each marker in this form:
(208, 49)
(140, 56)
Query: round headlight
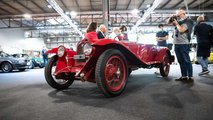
(61, 51)
(87, 49)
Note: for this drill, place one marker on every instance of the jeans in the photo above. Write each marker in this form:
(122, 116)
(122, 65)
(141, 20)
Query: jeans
(182, 53)
(203, 62)
(45, 59)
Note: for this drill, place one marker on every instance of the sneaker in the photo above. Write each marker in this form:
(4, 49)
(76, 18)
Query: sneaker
(190, 80)
(204, 72)
(181, 79)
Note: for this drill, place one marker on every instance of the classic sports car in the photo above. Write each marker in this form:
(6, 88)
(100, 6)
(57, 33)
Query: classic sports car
(32, 61)
(12, 62)
(36, 62)
(106, 62)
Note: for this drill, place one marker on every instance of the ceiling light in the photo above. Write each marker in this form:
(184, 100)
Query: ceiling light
(135, 11)
(49, 6)
(147, 6)
(73, 13)
(64, 16)
(48, 39)
(146, 14)
(67, 13)
(27, 16)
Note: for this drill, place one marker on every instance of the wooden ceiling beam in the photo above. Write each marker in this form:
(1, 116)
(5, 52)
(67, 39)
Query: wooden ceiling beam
(7, 4)
(38, 6)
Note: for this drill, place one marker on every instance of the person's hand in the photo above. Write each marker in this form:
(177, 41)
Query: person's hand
(175, 22)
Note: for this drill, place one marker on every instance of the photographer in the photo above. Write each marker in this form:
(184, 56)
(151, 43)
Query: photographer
(182, 47)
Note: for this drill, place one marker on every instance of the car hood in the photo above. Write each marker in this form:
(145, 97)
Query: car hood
(14, 58)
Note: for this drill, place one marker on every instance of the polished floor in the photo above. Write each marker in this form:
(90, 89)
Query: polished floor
(26, 96)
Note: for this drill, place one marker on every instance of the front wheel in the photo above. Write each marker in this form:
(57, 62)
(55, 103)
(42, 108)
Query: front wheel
(58, 84)
(111, 72)
(41, 66)
(165, 66)
(6, 67)
(130, 71)
(31, 65)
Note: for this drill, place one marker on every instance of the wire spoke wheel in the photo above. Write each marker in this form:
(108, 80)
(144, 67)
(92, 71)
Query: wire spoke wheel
(111, 72)
(6, 67)
(51, 79)
(114, 73)
(165, 66)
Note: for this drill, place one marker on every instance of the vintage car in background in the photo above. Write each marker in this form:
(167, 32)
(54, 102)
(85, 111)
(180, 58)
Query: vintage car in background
(106, 62)
(10, 62)
(33, 61)
(36, 62)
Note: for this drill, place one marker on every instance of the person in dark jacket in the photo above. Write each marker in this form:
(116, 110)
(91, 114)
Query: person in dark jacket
(101, 32)
(202, 31)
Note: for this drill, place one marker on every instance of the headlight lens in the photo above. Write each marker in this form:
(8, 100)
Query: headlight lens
(87, 49)
(61, 51)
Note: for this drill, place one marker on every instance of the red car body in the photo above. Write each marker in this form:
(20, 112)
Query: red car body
(108, 63)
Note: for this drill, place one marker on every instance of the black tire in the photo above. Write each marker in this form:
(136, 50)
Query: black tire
(130, 71)
(50, 78)
(165, 66)
(31, 65)
(23, 69)
(116, 72)
(41, 66)
(6, 67)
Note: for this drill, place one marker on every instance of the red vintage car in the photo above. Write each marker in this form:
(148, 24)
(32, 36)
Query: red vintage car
(106, 62)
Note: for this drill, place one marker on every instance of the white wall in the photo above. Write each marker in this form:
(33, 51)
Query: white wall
(13, 41)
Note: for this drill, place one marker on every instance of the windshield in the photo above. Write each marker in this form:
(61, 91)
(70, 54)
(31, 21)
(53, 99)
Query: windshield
(20, 55)
(3, 54)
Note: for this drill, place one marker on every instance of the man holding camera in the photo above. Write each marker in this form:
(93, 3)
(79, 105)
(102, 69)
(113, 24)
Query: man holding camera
(182, 47)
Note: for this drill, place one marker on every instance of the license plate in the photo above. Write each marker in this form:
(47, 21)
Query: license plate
(77, 57)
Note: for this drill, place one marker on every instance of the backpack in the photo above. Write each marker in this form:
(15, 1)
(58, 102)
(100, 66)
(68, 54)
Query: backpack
(190, 24)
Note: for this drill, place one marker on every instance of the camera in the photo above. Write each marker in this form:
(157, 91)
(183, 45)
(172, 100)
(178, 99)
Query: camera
(171, 19)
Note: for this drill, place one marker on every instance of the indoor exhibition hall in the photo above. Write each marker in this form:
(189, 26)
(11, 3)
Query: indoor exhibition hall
(106, 59)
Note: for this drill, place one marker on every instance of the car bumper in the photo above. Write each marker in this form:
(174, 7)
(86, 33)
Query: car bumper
(21, 66)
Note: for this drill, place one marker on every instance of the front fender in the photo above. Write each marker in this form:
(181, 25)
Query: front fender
(161, 53)
(53, 50)
(9, 61)
(65, 62)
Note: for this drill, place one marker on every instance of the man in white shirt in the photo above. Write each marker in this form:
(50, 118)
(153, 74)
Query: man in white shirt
(115, 33)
